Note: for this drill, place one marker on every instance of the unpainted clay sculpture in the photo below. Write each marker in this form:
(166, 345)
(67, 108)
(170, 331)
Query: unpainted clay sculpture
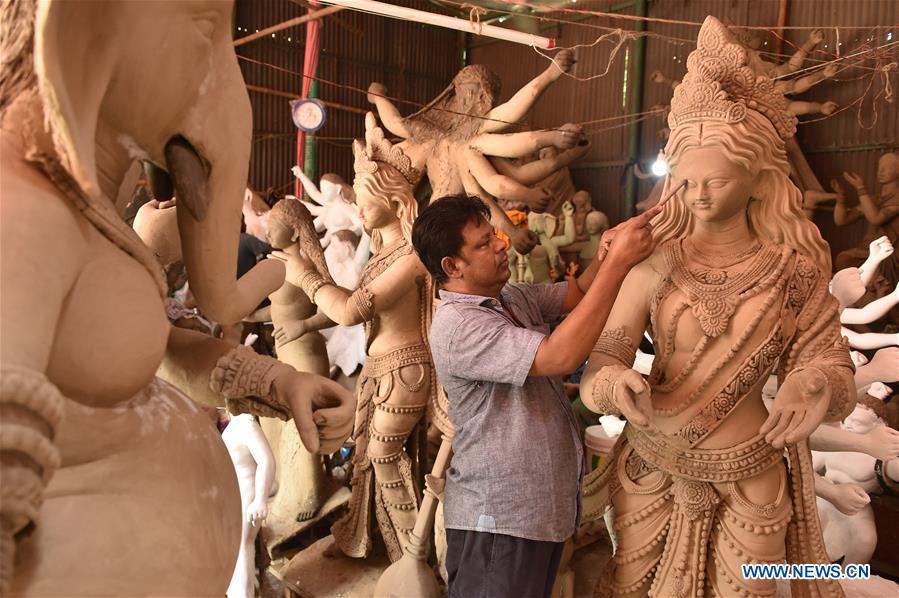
(255, 214)
(347, 248)
(595, 224)
(881, 214)
(545, 261)
(848, 287)
(549, 171)
(737, 287)
(849, 465)
(302, 476)
(455, 133)
(397, 383)
(255, 466)
(102, 463)
(883, 367)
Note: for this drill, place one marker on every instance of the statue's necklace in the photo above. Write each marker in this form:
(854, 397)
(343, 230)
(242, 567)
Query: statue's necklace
(714, 293)
(721, 260)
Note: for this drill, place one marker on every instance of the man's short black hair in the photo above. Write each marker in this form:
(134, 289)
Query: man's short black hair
(437, 232)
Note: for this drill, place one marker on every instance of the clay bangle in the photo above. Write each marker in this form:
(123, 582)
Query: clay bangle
(245, 379)
(363, 300)
(311, 282)
(604, 389)
(33, 409)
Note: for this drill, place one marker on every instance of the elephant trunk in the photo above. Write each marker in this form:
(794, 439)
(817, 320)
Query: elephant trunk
(209, 226)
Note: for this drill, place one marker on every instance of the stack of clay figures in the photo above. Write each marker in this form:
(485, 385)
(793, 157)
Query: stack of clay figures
(127, 349)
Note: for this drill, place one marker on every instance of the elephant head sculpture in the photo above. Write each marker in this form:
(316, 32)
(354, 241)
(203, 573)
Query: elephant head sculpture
(110, 96)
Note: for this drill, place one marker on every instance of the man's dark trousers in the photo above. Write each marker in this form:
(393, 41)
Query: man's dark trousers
(487, 565)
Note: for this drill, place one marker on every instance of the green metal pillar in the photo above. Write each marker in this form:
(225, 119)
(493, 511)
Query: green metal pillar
(310, 162)
(635, 105)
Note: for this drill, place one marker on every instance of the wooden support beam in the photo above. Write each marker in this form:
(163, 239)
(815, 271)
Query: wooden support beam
(310, 16)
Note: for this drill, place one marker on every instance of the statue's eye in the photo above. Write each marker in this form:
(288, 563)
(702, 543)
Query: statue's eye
(205, 24)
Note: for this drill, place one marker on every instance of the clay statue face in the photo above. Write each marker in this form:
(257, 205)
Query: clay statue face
(582, 201)
(330, 190)
(373, 211)
(718, 190)
(888, 168)
(280, 235)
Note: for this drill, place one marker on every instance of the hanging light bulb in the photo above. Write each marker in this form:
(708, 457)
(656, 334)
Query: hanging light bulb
(660, 166)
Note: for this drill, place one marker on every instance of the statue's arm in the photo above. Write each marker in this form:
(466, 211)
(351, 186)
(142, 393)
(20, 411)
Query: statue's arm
(499, 185)
(311, 190)
(615, 351)
(524, 99)
(214, 372)
(189, 360)
(263, 314)
(43, 253)
(569, 233)
(833, 438)
(516, 145)
(798, 58)
(873, 214)
(870, 312)
(818, 344)
(538, 170)
(319, 321)
(349, 308)
(389, 114)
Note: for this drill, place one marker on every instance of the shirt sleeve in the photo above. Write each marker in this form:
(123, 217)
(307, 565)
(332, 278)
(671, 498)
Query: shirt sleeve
(547, 297)
(488, 348)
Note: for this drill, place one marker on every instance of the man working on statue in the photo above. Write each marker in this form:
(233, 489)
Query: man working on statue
(512, 493)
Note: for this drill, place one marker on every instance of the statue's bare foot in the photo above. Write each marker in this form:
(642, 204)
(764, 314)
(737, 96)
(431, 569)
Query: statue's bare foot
(308, 508)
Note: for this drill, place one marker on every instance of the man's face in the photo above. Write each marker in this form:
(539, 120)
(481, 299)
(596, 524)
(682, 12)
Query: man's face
(482, 263)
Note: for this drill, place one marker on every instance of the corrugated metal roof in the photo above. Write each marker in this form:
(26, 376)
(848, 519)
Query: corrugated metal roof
(414, 61)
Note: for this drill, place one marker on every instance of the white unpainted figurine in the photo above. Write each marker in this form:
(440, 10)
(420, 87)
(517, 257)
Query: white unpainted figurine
(347, 249)
(883, 367)
(848, 286)
(853, 449)
(255, 467)
(335, 210)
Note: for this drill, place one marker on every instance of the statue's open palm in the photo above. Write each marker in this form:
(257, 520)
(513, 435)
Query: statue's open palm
(798, 409)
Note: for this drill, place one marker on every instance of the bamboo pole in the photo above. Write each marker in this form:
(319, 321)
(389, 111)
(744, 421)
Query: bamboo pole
(309, 16)
(429, 18)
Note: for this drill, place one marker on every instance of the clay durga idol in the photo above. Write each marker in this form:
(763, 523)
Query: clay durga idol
(299, 344)
(453, 137)
(101, 461)
(397, 385)
(736, 288)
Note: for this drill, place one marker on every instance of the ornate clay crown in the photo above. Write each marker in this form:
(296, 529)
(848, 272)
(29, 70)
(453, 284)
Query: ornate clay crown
(720, 85)
(378, 150)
